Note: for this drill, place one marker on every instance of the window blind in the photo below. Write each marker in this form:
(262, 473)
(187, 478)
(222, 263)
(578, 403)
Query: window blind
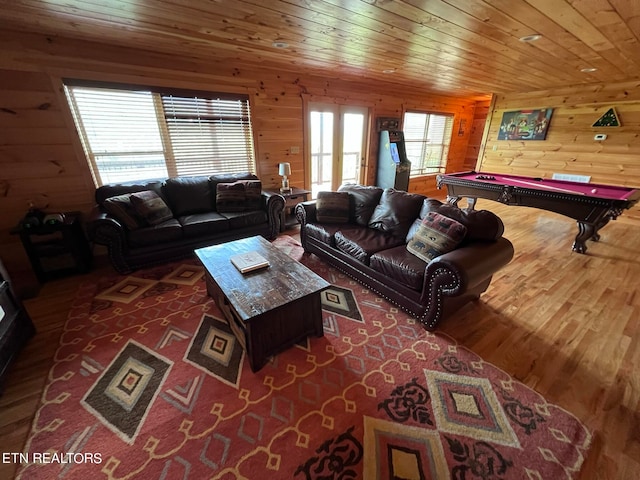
(137, 134)
(120, 133)
(209, 134)
(427, 139)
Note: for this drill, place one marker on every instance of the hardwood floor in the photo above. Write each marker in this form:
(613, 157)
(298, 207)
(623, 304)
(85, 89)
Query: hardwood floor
(567, 325)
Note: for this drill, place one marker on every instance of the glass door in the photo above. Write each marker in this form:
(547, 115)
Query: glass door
(341, 129)
(323, 147)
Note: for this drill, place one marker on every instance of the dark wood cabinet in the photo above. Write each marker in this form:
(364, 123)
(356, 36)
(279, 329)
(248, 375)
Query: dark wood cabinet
(58, 249)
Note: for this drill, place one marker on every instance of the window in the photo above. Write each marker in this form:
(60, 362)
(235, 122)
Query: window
(427, 137)
(140, 133)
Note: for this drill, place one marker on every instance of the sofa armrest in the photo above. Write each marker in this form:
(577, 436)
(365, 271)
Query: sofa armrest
(458, 272)
(99, 219)
(274, 204)
(476, 262)
(105, 230)
(305, 213)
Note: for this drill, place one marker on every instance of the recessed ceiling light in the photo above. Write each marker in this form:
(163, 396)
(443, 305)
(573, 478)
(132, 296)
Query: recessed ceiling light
(280, 44)
(530, 38)
(588, 70)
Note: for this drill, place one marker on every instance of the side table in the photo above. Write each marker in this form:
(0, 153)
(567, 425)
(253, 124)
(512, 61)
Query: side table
(297, 195)
(58, 249)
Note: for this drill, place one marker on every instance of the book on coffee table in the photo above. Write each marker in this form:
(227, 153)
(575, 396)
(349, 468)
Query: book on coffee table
(249, 261)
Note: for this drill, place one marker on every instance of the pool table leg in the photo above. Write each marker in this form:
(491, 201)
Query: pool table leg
(596, 236)
(453, 200)
(589, 231)
(585, 232)
(471, 202)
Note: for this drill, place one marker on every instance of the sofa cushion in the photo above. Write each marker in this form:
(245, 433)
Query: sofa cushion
(361, 243)
(396, 212)
(121, 208)
(400, 265)
(362, 202)
(482, 225)
(323, 232)
(187, 195)
(151, 207)
(198, 224)
(230, 197)
(153, 235)
(245, 219)
(437, 235)
(332, 207)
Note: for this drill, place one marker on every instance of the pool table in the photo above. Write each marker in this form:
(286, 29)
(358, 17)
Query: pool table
(592, 205)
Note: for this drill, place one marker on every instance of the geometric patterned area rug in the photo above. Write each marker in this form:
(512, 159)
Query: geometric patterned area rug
(149, 382)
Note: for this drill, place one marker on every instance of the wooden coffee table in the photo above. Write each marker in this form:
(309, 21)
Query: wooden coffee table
(269, 309)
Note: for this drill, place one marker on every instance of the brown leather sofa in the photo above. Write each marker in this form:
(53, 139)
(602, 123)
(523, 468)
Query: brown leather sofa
(152, 222)
(369, 243)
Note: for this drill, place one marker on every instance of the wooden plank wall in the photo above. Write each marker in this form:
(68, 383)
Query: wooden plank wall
(475, 137)
(41, 159)
(569, 146)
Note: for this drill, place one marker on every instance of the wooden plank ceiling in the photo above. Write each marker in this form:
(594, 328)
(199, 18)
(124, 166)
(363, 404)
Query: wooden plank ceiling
(457, 47)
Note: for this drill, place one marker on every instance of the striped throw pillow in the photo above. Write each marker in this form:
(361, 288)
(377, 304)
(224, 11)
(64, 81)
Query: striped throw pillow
(435, 236)
(332, 207)
(230, 197)
(151, 207)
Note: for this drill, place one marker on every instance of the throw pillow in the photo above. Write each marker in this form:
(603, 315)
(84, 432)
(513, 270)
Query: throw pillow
(151, 207)
(332, 207)
(482, 225)
(121, 208)
(252, 194)
(230, 197)
(428, 205)
(396, 212)
(435, 236)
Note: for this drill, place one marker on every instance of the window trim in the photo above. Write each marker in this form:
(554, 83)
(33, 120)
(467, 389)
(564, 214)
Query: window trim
(70, 82)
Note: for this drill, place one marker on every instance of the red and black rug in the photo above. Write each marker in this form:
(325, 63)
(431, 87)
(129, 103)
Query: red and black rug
(150, 382)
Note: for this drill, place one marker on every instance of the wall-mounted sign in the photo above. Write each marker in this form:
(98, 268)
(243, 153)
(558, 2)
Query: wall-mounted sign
(609, 119)
(388, 123)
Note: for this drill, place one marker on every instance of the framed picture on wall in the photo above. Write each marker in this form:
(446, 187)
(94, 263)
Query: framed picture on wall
(387, 123)
(525, 124)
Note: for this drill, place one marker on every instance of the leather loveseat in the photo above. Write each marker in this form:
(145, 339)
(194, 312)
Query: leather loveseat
(151, 222)
(382, 239)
